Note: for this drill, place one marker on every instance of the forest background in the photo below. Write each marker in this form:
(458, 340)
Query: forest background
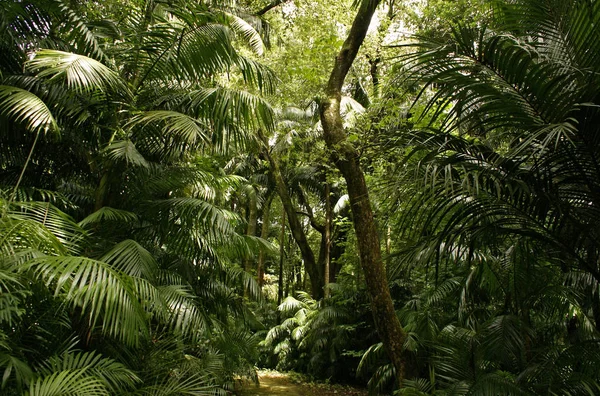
(399, 194)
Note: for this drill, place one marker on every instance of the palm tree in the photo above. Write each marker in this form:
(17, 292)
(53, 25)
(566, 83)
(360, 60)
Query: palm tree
(507, 197)
(301, 176)
(111, 124)
(312, 335)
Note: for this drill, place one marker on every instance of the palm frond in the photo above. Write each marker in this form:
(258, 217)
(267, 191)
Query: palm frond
(115, 376)
(23, 106)
(228, 107)
(247, 32)
(23, 373)
(182, 312)
(79, 31)
(185, 130)
(105, 296)
(132, 259)
(497, 383)
(69, 233)
(290, 304)
(107, 213)
(24, 238)
(68, 382)
(80, 73)
(125, 151)
(188, 383)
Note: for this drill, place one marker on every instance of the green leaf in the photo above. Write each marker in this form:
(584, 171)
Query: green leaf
(67, 383)
(132, 259)
(24, 107)
(246, 31)
(114, 375)
(107, 213)
(105, 296)
(81, 73)
(125, 151)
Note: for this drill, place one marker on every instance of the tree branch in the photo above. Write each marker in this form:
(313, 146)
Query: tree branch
(346, 158)
(310, 214)
(294, 223)
(269, 7)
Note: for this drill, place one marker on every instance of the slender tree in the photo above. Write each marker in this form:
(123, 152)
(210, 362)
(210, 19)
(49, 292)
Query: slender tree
(347, 159)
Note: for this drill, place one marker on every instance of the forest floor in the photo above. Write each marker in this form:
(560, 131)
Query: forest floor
(276, 383)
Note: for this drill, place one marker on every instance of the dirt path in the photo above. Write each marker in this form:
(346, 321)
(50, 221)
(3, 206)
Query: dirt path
(275, 383)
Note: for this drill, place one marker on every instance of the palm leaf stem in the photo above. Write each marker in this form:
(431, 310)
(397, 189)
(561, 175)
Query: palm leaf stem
(14, 192)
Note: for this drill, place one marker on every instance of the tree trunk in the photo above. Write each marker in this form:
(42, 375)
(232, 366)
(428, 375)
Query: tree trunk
(281, 260)
(102, 192)
(264, 234)
(251, 229)
(346, 159)
(252, 221)
(316, 280)
(327, 237)
(388, 241)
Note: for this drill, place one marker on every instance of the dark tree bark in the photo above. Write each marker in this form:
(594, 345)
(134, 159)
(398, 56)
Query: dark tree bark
(252, 221)
(281, 260)
(346, 158)
(324, 258)
(264, 234)
(312, 266)
(374, 71)
(327, 238)
(269, 7)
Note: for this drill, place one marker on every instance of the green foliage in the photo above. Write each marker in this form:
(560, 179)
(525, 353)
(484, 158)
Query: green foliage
(324, 339)
(489, 191)
(130, 172)
(117, 258)
(499, 202)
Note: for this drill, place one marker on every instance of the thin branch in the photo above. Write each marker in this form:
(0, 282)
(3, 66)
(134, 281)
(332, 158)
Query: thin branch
(14, 193)
(270, 6)
(304, 201)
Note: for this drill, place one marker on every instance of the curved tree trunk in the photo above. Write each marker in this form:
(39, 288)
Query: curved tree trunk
(252, 221)
(281, 261)
(347, 161)
(264, 234)
(327, 238)
(251, 229)
(310, 262)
